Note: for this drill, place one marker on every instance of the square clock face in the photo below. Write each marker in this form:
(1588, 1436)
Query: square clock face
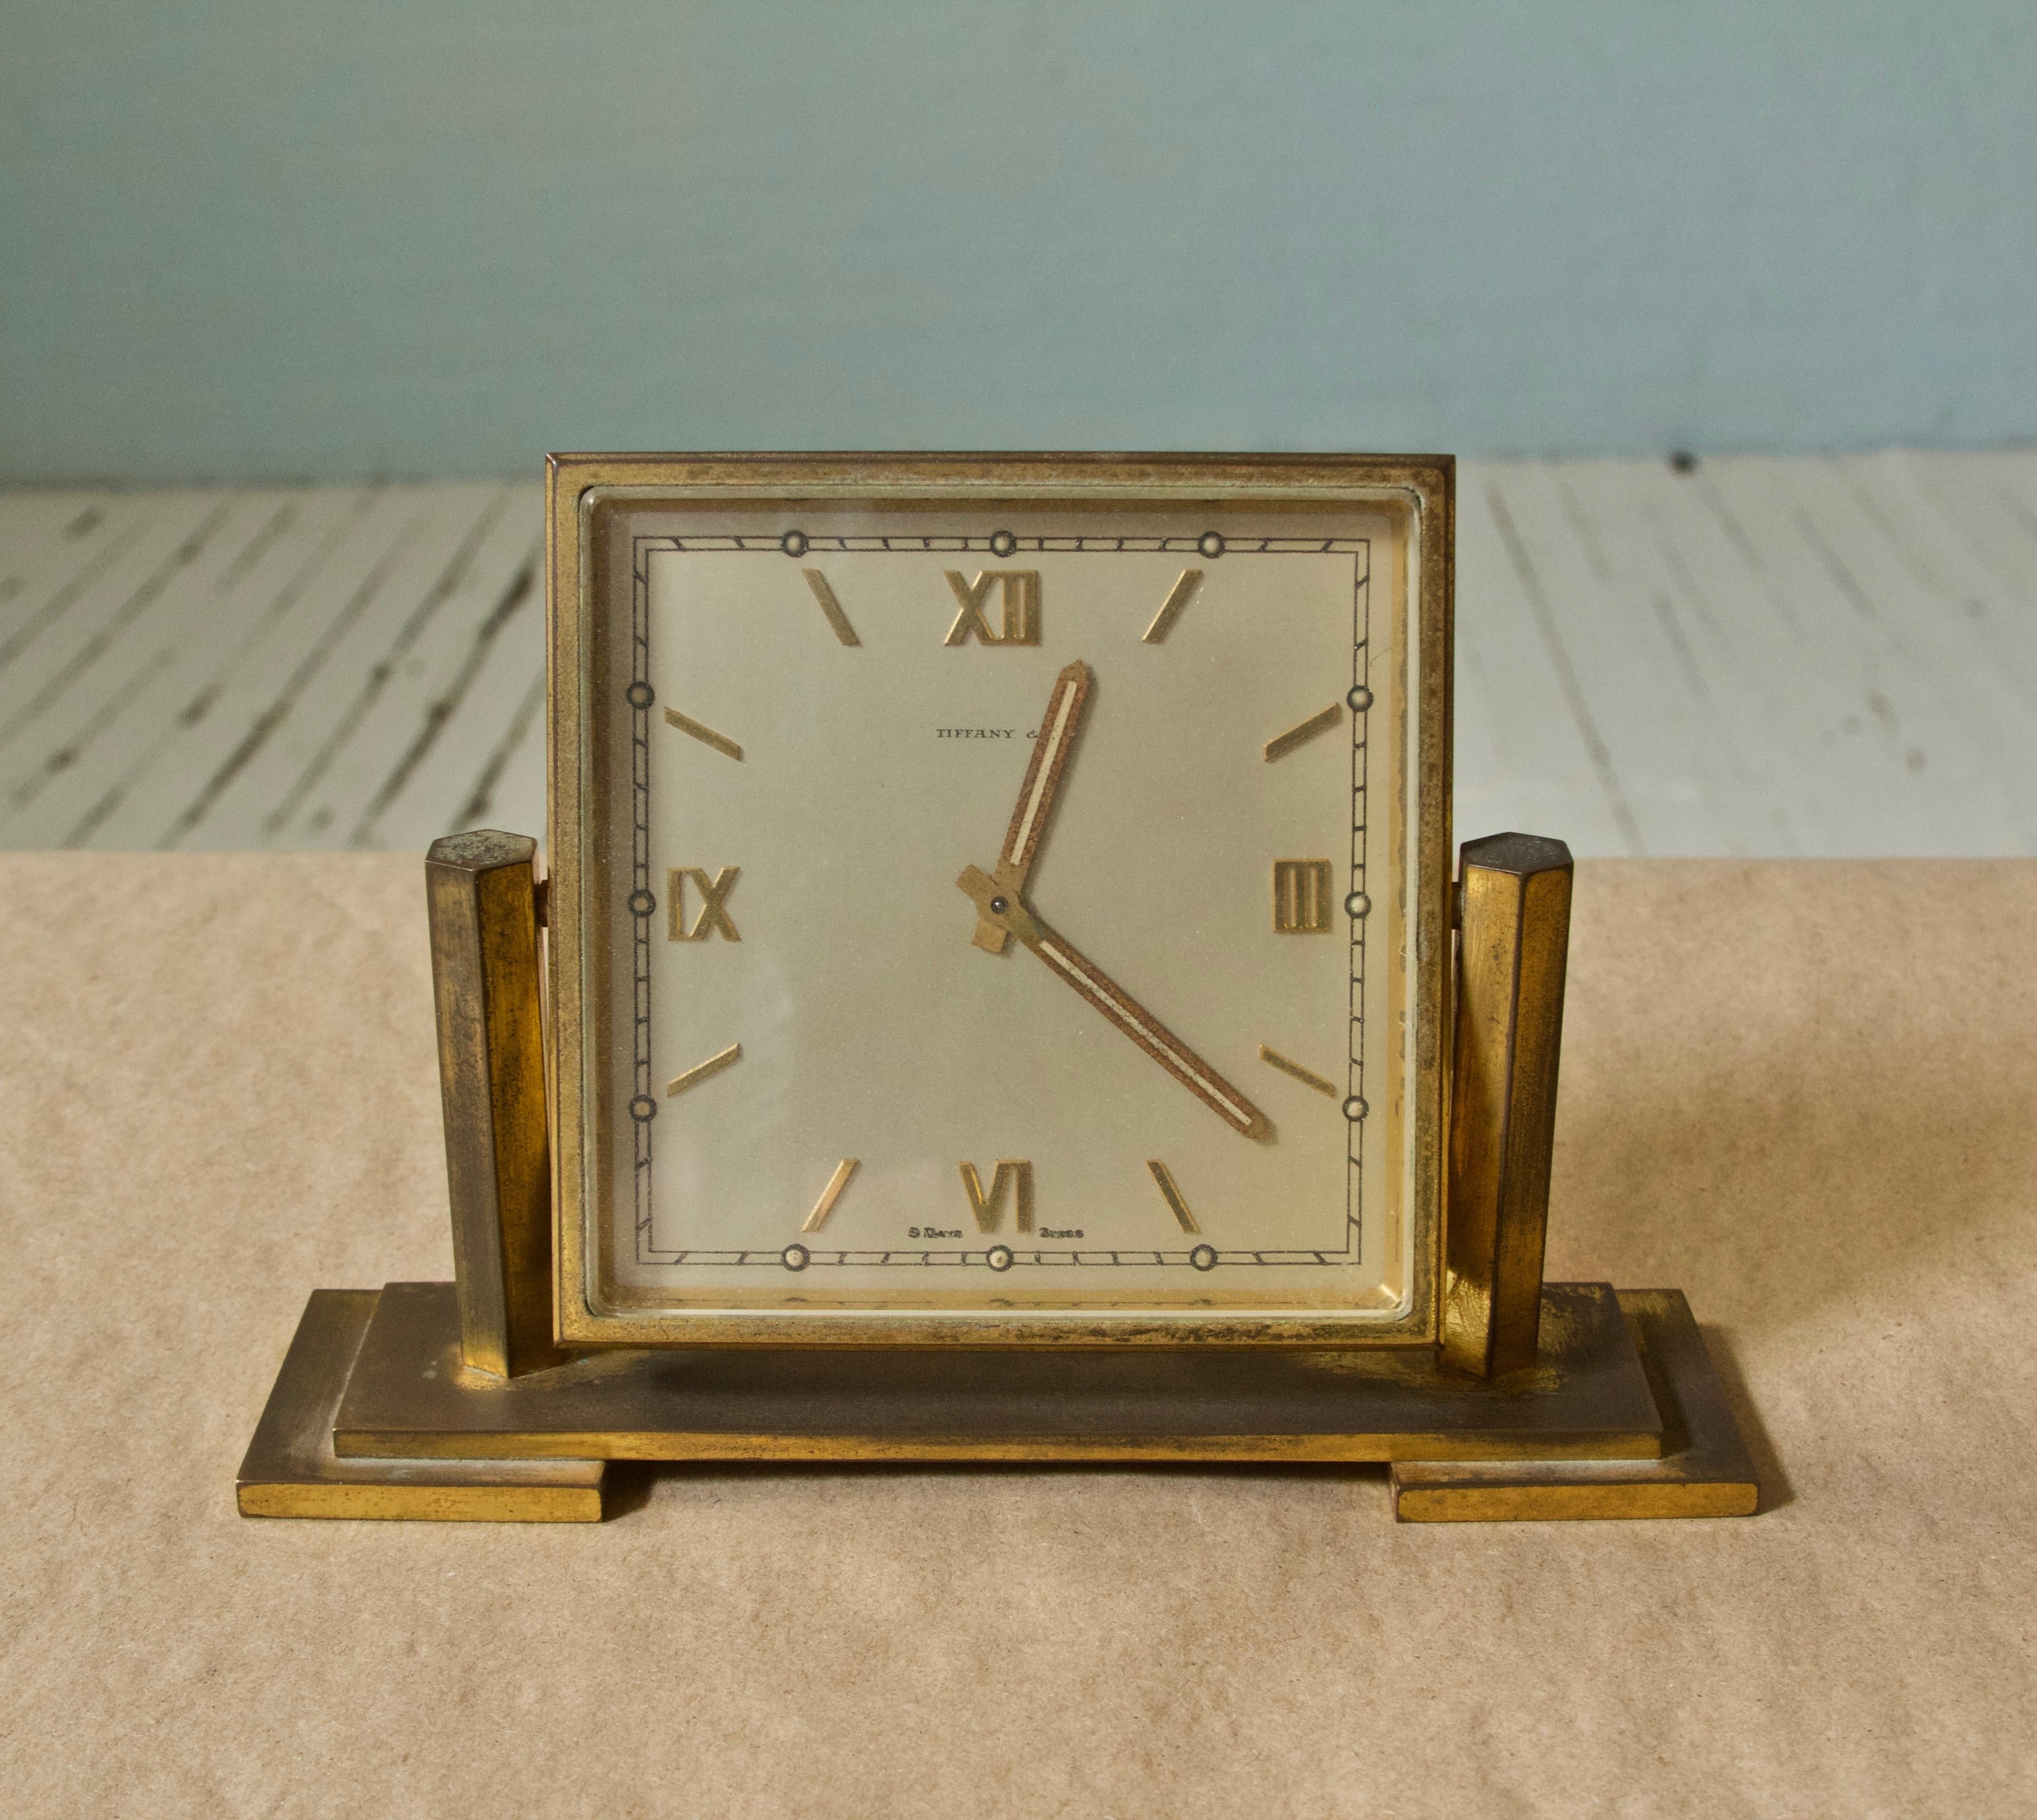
(999, 900)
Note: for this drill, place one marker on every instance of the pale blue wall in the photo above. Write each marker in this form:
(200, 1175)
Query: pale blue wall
(248, 238)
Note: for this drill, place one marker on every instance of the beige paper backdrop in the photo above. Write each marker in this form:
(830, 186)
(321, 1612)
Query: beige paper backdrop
(1806, 1094)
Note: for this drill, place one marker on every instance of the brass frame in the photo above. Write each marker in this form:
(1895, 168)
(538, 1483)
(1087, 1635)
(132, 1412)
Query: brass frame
(380, 1411)
(1508, 1399)
(1419, 489)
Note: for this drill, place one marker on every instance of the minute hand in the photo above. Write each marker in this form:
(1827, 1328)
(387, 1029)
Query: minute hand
(1117, 1004)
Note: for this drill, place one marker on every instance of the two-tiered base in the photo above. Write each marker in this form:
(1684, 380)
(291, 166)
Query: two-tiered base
(373, 1415)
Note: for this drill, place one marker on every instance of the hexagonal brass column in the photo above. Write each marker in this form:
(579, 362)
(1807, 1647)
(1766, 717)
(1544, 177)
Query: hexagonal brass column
(482, 900)
(1515, 929)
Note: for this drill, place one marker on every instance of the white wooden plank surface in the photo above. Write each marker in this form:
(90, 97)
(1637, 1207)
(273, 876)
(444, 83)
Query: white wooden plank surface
(84, 669)
(221, 723)
(310, 697)
(139, 552)
(113, 736)
(1759, 657)
(1550, 769)
(403, 703)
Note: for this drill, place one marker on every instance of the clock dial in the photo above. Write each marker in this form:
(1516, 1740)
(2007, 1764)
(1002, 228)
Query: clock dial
(981, 910)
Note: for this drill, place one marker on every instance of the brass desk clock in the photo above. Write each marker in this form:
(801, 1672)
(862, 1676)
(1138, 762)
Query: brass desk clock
(1008, 999)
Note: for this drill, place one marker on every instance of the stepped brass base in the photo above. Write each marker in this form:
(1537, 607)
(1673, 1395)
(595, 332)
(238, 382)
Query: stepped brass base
(374, 1416)
(291, 1470)
(1704, 1470)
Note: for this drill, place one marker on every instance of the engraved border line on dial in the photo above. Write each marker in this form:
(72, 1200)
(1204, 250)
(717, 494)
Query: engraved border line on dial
(640, 698)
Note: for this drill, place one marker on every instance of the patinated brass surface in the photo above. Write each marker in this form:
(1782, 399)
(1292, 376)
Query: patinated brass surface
(485, 984)
(1514, 938)
(291, 1470)
(1704, 1470)
(1417, 492)
(1587, 1399)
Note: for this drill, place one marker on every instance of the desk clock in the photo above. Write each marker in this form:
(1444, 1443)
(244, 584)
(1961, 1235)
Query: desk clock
(1002, 990)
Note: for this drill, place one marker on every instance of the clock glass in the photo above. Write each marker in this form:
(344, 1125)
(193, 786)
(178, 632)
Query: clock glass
(999, 900)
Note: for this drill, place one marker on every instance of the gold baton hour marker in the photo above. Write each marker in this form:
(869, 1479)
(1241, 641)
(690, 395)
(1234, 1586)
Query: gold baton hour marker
(701, 1071)
(1178, 596)
(829, 1194)
(1296, 736)
(1308, 1078)
(830, 605)
(706, 735)
(1173, 1194)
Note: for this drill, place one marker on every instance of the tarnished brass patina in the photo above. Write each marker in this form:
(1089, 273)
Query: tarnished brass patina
(1514, 936)
(484, 931)
(292, 1470)
(1587, 1399)
(1704, 1470)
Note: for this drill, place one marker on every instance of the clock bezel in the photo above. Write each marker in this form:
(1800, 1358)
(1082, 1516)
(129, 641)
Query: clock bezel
(581, 490)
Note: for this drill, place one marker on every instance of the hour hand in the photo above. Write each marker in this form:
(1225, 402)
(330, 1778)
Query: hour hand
(1051, 747)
